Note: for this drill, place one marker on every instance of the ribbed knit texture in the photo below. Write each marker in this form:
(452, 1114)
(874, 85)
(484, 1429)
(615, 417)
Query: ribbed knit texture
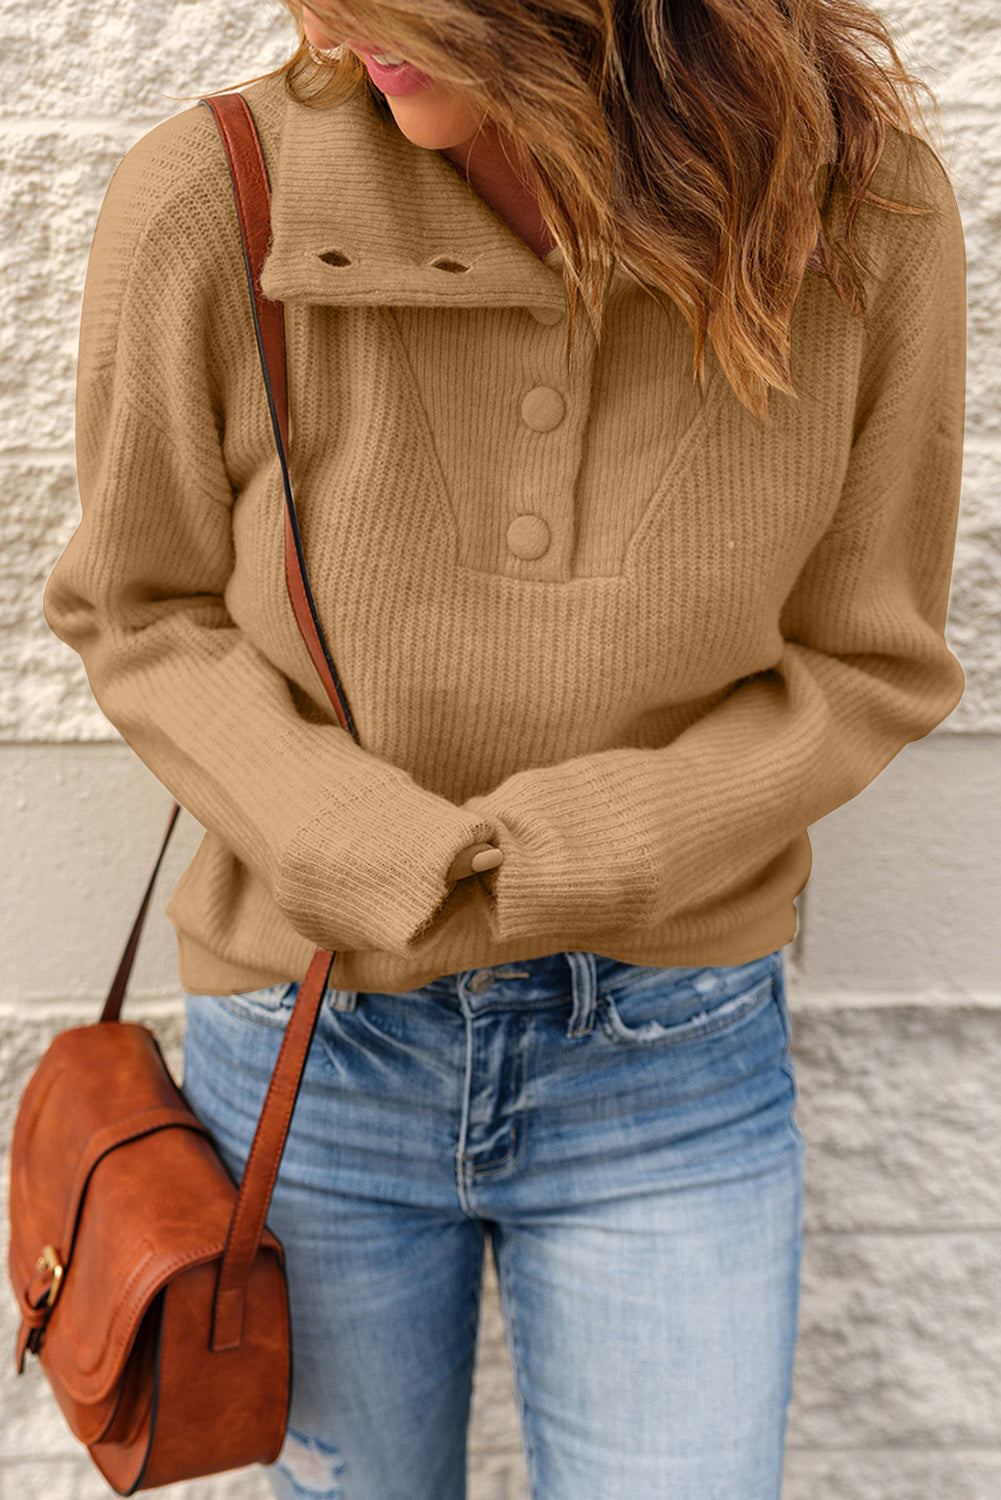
(633, 635)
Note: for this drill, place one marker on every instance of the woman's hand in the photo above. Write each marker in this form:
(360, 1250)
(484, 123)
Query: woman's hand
(473, 859)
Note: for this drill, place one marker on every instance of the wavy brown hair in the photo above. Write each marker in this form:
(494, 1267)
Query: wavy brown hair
(699, 142)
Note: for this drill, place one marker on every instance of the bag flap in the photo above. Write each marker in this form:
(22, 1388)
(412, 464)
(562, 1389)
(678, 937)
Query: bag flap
(146, 1208)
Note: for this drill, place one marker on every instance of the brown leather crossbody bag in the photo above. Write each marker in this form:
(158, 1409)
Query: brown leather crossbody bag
(148, 1285)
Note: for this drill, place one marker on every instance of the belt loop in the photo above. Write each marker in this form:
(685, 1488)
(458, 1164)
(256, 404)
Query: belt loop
(584, 971)
(342, 999)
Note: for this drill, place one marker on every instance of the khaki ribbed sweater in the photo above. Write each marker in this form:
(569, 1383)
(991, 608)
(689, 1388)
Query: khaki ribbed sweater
(632, 635)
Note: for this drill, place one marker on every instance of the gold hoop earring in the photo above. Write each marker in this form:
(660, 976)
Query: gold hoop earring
(325, 56)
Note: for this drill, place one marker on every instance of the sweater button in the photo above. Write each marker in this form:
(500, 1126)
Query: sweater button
(543, 408)
(528, 537)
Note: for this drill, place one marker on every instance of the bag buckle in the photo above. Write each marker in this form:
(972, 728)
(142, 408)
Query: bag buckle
(49, 1261)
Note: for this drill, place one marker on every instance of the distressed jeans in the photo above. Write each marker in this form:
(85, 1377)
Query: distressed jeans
(625, 1136)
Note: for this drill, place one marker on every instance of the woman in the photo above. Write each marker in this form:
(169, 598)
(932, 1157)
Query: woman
(620, 608)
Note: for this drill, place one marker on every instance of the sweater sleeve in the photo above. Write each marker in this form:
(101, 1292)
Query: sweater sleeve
(632, 840)
(353, 849)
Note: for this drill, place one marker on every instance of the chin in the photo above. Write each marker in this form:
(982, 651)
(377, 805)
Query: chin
(436, 128)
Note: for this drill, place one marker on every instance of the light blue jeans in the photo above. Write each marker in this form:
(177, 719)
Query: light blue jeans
(625, 1135)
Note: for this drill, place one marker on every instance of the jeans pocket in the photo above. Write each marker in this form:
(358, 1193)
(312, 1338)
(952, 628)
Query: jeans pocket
(270, 1006)
(686, 1005)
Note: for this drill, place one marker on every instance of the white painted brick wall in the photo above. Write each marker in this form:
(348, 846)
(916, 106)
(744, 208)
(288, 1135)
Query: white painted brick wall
(895, 991)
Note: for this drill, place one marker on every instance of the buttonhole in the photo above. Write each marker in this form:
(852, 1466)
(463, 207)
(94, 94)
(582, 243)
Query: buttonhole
(335, 258)
(444, 264)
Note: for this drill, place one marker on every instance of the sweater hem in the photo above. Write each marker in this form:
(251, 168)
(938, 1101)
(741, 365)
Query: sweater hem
(385, 973)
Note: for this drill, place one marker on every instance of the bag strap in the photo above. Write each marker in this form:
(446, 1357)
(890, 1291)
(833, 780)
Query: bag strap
(252, 191)
(252, 194)
(113, 1004)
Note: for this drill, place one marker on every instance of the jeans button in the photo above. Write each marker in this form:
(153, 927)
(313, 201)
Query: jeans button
(481, 982)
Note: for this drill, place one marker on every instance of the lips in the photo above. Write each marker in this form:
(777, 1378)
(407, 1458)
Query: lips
(394, 80)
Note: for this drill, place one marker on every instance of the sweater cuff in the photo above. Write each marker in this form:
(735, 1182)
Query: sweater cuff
(576, 859)
(369, 872)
